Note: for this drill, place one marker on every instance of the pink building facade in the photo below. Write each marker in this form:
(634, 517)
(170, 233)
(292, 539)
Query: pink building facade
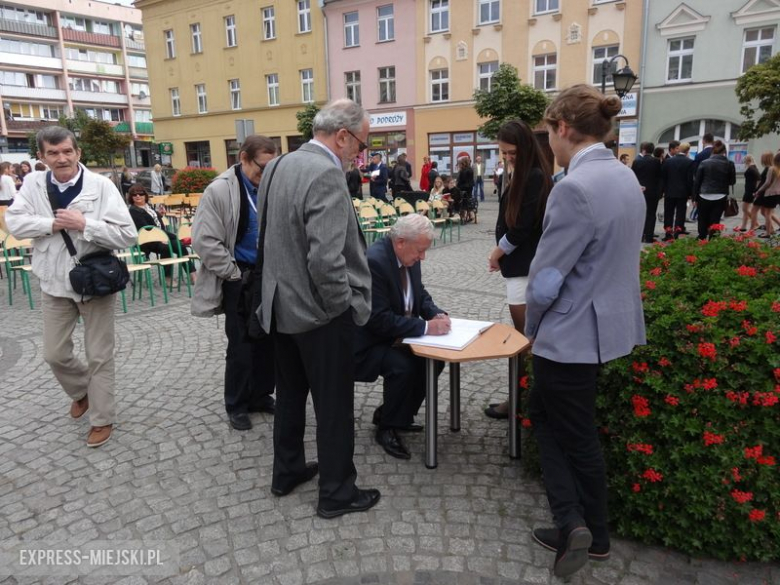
(371, 59)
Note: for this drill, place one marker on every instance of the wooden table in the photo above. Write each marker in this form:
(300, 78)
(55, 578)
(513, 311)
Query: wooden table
(499, 342)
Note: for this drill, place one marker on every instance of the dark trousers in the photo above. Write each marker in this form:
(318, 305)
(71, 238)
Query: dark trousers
(320, 360)
(710, 213)
(674, 213)
(249, 365)
(403, 377)
(479, 189)
(562, 410)
(651, 201)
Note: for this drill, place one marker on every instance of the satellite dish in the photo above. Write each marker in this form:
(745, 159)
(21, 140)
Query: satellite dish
(142, 94)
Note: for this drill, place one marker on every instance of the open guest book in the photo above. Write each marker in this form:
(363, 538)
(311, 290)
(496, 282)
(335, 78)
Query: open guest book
(463, 332)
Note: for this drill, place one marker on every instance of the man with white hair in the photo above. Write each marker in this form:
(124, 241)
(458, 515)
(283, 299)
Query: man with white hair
(315, 290)
(400, 307)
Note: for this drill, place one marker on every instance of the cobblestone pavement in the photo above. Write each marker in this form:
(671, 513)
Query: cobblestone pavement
(174, 472)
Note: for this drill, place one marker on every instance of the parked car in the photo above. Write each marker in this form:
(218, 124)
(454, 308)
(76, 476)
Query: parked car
(144, 178)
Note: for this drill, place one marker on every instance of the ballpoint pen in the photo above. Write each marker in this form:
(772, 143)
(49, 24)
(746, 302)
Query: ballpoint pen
(507, 338)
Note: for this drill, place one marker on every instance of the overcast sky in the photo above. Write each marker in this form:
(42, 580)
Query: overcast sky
(123, 2)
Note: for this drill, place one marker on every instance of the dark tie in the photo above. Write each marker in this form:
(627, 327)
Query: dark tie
(404, 286)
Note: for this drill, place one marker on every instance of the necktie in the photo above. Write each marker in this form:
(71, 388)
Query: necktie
(404, 288)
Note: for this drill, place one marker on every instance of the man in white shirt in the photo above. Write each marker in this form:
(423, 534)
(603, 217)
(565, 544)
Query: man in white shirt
(7, 187)
(479, 179)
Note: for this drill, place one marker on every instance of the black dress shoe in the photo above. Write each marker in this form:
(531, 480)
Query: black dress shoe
(364, 500)
(267, 404)
(392, 444)
(412, 428)
(572, 552)
(549, 538)
(240, 421)
(493, 413)
(311, 470)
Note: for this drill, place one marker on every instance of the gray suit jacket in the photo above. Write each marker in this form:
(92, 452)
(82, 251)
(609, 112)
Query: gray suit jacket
(583, 298)
(315, 256)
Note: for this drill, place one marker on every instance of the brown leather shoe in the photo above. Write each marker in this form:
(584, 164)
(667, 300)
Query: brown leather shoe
(99, 435)
(79, 407)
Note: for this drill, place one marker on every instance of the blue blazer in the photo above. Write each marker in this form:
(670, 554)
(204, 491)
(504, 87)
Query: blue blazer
(378, 187)
(388, 322)
(583, 297)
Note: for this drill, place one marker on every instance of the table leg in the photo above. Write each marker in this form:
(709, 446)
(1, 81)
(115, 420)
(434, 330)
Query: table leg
(454, 397)
(431, 410)
(514, 434)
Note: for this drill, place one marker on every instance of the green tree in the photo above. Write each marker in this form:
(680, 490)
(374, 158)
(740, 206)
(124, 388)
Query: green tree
(32, 145)
(508, 99)
(103, 142)
(306, 120)
(758, 90)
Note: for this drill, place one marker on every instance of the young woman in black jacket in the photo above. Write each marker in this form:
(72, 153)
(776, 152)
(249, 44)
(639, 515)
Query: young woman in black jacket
(752, 177)
(519, 223)
(714, 178)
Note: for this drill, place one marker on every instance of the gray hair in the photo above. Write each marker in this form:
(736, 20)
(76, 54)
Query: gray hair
(54, 135)
(338, 114)
(411, 227)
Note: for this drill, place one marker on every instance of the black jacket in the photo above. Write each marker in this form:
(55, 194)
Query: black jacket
(647, 169)
(401, 180)
(715, 175)
(141, 218)
(752, 177)
(354, 183)
(527, 231)
(466, 181)
(677, 177)
(387, 322)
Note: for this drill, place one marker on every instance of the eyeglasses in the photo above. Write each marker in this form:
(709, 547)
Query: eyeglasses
(139, 194)
(259, 166)
(361, 145)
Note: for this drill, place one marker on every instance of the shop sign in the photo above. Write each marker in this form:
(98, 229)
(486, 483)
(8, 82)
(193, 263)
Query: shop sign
(463, 137)
(629, 105)
(438, 139)
(627, 135)
(388, 119)
(166, 148)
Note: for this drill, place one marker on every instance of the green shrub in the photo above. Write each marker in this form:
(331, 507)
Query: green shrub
(690, 422)
(192, 180)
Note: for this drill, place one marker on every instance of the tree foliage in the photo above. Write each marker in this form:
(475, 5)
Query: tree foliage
(98, 141)
(758, 90)
(508, 99)
(306, 120)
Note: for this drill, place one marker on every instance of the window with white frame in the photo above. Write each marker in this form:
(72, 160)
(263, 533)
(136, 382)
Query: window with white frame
(545, 71)
(307, 85)
(489, 11)
(24, 15)
(679, 64)
(599, 54)
(235, 94)
(269, 23)
(175, 102)
(440, 85)
(440, 15)
(486, 71)
(200, 92)
(142, 115)
(542, 6)
(352, 85)
(197, 38)
(136, 60)
(386, 85)
(272, 83)
(73, 22)
(101, 27)
(351, 29)
(304, 16)
(385, 20)
(39, 49)
(231, 36)
(52, 112)
(757, 46)
(170, 45)
(139, 88)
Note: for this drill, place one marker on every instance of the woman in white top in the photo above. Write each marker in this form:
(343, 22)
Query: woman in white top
(7, 186)
(158, 181)
(437, 191)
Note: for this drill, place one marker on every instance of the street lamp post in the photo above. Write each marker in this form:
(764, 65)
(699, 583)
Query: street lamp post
(622, 79)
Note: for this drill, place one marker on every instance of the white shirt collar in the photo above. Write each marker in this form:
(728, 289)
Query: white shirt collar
(332, 154)
(64, 186)
(576, 158)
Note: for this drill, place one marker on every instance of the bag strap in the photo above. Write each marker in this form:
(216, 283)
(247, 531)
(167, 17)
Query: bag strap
(264, 220)
(55, 205)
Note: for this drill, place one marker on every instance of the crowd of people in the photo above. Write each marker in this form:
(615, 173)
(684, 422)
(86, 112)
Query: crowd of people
(11, 178)
(311, 309)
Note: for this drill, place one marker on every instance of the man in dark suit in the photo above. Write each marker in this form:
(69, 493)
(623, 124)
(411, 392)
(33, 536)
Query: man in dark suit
(705, 152)
(377, 175)
(647, 169)
(677, 178)
(401, 307)
(316, 288)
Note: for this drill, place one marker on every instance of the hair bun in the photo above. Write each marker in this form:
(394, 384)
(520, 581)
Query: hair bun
(611, 106)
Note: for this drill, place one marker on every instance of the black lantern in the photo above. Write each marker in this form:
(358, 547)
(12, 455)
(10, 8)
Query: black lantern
(622, 80)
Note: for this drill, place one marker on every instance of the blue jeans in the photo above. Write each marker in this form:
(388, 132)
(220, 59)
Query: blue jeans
(479, 191)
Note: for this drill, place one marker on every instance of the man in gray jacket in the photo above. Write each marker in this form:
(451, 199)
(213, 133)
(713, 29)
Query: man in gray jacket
(224, 235)
(95, 216)
(316, 289)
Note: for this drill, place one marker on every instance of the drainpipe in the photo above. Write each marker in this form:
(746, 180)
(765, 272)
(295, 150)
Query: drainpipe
(642, 71)
(321, 4)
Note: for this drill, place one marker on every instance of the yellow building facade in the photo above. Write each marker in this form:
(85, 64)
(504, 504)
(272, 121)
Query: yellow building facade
(553, 43)
(215, 63)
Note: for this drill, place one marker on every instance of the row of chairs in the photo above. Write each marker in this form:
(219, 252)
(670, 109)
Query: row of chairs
(17, 255)
(377, 216)
(179, 207)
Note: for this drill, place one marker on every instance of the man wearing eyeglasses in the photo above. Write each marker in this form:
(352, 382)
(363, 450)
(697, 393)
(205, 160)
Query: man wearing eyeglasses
(224, 234)
(316, 289)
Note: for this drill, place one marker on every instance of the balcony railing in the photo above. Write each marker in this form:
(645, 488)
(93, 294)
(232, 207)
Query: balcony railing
(91, 67)
(25, 126)
(140, 127)
(80, 36)
(27, 28)
(138, 72)
(139, 101)
(98, 97)
(33, 93)
(30, 61)
(134, 45)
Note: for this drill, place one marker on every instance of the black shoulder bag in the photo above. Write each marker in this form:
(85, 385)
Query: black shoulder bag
(251, 297)
(97, 274)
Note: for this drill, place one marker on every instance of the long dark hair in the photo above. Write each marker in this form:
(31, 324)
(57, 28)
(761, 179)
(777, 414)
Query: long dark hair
(529, 156)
